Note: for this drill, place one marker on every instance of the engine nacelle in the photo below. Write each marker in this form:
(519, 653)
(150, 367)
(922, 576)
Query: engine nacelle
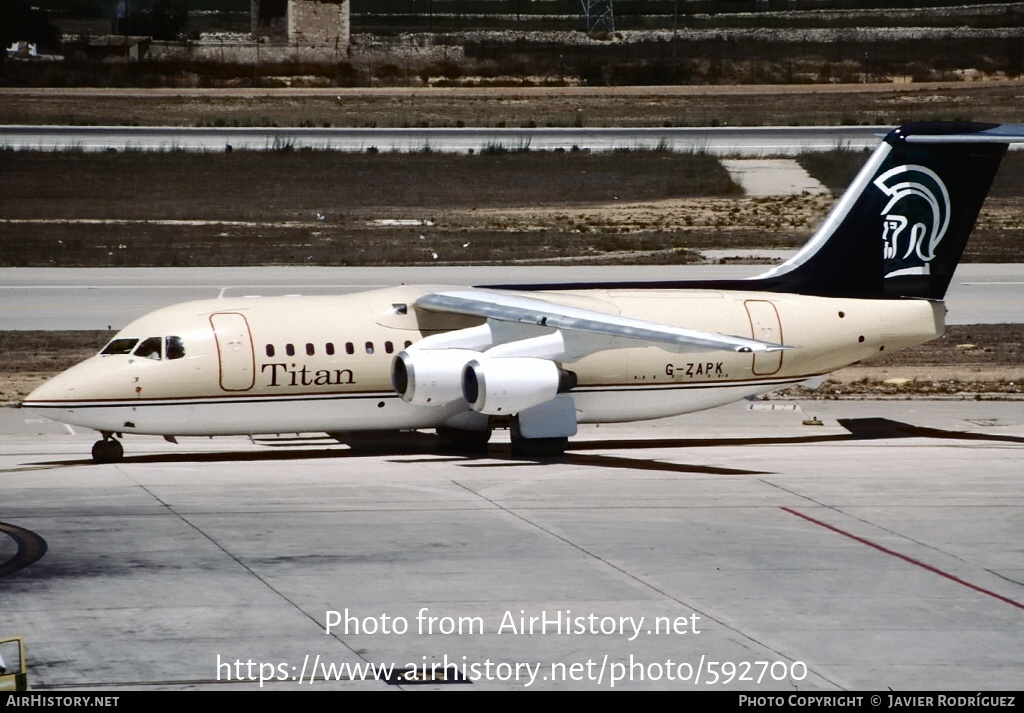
(507, 386)
(430, 377)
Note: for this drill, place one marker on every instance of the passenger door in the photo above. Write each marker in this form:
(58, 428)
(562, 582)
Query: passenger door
(234, 348)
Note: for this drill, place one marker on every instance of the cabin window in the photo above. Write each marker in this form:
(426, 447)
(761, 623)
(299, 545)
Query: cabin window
(150, 348)
(369, 347)
(329, 348)
(289, 349)
(408, 343)
(270, 350)
(120, 346)
(174, 348)
(350, 348)
(389, 347)
(309, 349)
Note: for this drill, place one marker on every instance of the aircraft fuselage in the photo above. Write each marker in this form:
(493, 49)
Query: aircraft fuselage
(323, 364)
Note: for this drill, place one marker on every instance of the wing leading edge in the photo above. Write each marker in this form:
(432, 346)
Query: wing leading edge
(582, 331)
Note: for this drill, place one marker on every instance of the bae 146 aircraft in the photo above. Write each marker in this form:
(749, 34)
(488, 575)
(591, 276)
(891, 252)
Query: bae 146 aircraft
(541, 359)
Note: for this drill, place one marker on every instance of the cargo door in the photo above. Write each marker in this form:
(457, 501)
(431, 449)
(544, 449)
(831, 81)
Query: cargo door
(234, 348)
(765, 327)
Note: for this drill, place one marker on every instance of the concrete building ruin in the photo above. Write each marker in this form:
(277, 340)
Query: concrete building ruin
(282, 31)
(312, 24)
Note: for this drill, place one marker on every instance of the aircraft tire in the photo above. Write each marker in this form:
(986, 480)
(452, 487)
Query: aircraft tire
(107, 451)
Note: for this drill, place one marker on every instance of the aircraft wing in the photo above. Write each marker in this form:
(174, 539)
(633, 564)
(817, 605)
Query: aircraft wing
(579, 331)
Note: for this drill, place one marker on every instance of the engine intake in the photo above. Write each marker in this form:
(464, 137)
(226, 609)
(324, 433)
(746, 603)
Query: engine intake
(430, 377)
(505, 386)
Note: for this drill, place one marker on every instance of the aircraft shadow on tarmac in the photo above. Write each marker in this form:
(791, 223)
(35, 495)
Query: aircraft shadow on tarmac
(499, 455)
(32, 547)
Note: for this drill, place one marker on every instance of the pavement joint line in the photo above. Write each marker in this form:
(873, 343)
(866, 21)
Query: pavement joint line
(639, 580)
(244, 566)
(905, 558)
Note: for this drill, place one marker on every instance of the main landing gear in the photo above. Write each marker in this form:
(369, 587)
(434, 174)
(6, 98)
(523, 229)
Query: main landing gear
(109, 450)
(543, 431)
(467, 442)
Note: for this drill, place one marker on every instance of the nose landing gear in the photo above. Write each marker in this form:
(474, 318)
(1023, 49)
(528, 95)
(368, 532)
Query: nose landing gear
(109, 450)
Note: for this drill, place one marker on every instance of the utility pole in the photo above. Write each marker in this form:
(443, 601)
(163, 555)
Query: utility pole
(599, 16)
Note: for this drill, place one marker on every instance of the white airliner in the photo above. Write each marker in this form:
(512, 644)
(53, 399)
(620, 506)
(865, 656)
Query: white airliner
(541, 359)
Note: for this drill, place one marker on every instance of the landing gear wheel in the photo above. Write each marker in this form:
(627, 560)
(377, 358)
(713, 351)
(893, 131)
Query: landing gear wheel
(538, 447)
(544, 446)
(107, 451)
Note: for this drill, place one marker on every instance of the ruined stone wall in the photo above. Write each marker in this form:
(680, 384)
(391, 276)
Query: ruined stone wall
(319, 22)
(314, 23)
(249, 53)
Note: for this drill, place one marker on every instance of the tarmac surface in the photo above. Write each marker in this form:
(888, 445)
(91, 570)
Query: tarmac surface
(881, 549)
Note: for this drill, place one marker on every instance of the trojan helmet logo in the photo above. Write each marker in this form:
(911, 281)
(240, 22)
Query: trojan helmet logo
(916, 219)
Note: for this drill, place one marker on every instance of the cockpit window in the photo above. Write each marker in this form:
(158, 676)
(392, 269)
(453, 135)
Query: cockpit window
(150, 348)
(175, 348)
(120, 346)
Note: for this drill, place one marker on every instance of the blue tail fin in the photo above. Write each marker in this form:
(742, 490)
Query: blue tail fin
(901, 227)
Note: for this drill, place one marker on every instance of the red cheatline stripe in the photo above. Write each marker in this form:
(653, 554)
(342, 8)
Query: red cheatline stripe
(905, 558)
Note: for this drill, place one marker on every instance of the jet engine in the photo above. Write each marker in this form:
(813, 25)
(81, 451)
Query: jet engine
(509, 385)
(430, 377)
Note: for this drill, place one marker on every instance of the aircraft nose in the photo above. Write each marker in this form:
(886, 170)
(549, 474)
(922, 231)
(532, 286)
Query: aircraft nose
(57, 388)
(63, 387)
